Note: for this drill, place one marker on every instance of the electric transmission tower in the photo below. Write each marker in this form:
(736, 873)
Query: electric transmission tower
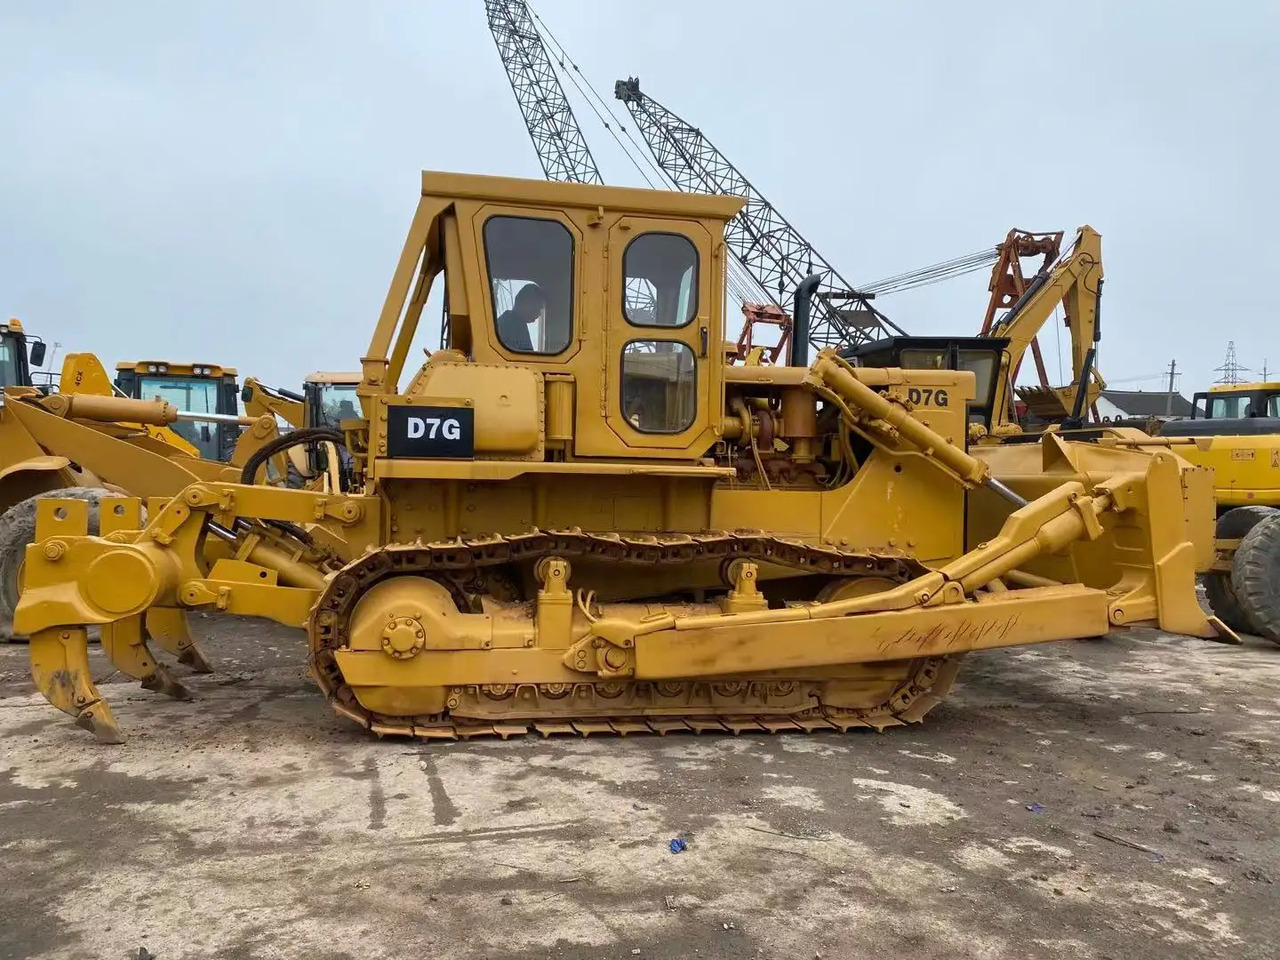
(1230, 368)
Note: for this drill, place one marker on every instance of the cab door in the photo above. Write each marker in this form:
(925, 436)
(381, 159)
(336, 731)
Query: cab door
(660, 337)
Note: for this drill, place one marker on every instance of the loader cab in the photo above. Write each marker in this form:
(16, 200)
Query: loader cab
(19, 352)
(979, 355)
(1244, 409)
(329, 399)
(1238, 402)
(196, 388)
(581, 321)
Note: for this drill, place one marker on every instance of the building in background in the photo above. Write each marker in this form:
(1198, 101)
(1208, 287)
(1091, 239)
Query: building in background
(1128, 404)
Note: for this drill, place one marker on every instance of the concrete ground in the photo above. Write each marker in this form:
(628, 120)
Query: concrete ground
(1114, 798)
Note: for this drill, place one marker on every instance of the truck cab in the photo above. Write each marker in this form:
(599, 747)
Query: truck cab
(197, 388)
(19, 352)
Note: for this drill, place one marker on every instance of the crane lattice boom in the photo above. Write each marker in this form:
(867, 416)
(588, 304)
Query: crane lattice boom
(772, 249)
(561, 147)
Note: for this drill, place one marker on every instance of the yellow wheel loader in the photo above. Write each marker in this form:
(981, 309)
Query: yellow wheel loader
(87, 442)
(199, 388)
(1235, 430)
(19, 353)
(578, 518)
(327, 399)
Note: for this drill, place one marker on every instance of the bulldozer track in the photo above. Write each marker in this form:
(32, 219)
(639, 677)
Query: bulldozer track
(735, 704)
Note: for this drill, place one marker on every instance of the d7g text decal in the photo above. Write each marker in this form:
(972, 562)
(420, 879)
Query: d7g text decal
(431, 433)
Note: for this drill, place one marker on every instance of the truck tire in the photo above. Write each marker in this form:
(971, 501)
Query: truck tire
(1218, 589)
(17, 530)
(1255, 578)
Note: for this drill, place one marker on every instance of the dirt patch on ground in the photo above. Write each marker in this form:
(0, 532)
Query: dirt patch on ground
(1111, 798)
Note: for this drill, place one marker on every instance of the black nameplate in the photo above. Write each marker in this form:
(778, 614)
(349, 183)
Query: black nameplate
(431, 433)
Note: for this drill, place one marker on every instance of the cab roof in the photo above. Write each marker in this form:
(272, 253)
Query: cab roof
(328, 376)
(1269, 386)
(176, 367)
(666, 203)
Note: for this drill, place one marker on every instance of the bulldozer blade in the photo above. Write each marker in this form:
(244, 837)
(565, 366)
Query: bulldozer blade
(168, 627)
(126, 645)
(60, 670)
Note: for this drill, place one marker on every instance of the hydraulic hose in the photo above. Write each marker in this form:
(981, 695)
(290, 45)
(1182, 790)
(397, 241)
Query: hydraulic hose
(294, 438)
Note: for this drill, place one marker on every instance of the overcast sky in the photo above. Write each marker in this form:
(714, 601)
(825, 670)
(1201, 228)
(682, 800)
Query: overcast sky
(232, 181)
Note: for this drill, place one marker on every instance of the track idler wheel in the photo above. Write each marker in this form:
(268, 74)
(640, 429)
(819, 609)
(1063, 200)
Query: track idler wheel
(888, 696)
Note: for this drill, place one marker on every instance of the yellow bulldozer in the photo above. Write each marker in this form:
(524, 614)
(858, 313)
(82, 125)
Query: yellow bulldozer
(577, 517)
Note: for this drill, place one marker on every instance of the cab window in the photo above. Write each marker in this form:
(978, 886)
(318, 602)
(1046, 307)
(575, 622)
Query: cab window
(981, 363)
(1229, 407)
(194, 395)
(661, 280)
(338, 402)
(9, 348)
(659, 385)
(531, 282)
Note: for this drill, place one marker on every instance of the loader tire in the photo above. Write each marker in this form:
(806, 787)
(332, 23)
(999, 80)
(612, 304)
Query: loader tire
(295, 480)
(1218, 589)
(1255, 577)
(17, 530)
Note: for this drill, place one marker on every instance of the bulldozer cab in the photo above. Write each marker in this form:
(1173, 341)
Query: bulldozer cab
(981, 356)
(196, 388)
(19, 352)
(604, 305)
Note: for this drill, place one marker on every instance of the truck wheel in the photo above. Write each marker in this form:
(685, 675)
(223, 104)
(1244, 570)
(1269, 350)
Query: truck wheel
(1255, 578)
(17, 530)
(1232, 525)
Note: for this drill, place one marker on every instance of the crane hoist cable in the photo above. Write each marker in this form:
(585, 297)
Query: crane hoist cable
(742, 284)
(935, 273)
